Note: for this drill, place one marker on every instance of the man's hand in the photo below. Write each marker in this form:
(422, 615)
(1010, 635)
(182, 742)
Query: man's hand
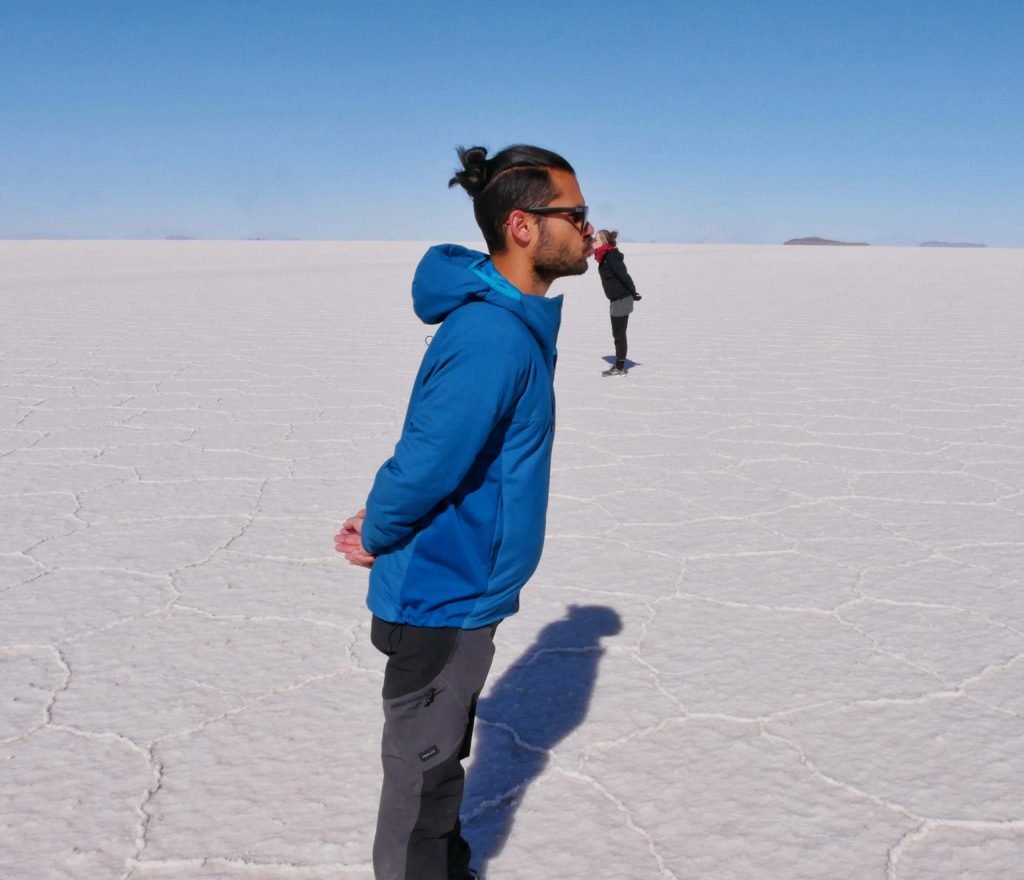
(349, 541)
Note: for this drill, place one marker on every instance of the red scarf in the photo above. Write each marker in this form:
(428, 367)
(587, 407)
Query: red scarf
(601, 252)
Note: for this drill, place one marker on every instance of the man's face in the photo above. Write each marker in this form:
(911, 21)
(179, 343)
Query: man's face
(562, 249)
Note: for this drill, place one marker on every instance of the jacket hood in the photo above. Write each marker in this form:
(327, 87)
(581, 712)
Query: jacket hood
(450, 276)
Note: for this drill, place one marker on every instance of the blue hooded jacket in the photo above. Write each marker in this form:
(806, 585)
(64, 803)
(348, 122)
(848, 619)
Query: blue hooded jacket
(456, 516)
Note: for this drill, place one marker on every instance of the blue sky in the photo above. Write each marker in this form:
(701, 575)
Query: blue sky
(892, 122)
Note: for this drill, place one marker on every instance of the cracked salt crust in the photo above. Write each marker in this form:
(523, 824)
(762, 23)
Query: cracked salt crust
(250, 586)
(245, 779)
(921, 755)
(31, 519)
(730, 803)
(979, 853)
(29, 677)
(172, 499)
(17, 569)
(163, 674)
(68, 603)
(777, 631)
(70, 804)
(152, 546)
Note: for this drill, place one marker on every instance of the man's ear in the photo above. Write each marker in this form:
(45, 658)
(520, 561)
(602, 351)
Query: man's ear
(519, 228)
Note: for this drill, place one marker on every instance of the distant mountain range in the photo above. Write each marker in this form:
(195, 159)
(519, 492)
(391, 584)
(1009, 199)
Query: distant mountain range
(814, 239)
(174, 236)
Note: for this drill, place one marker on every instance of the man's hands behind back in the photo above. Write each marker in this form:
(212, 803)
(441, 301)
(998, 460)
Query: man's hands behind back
(349, 541)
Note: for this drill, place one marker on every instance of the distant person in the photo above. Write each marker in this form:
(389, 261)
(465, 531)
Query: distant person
(620, 289)
(454, 524)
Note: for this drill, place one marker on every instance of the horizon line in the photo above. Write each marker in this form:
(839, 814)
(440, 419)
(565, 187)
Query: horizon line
(796, 242)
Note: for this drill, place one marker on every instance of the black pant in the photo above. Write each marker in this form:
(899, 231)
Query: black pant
(433, 678)
(619, 335)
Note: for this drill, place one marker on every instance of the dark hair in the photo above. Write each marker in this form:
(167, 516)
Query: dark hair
(609, 235)
(517, 177)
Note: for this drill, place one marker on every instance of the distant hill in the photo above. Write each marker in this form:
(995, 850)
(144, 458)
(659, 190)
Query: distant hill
(814, 239)
(949, 244)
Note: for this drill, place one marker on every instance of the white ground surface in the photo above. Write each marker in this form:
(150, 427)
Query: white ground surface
(778, 631)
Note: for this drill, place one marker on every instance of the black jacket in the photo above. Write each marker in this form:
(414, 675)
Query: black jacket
(614, 277)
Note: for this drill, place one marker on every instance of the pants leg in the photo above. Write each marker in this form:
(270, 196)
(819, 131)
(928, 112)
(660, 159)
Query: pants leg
(431, 685)
(619, 335)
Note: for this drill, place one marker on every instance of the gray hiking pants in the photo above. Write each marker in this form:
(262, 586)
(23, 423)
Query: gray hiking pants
(431, 684)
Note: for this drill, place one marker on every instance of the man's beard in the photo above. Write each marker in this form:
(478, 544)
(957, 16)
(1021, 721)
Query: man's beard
(557, 260)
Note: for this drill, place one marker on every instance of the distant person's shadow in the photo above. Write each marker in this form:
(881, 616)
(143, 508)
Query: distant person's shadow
(610, 359)
(542, 697)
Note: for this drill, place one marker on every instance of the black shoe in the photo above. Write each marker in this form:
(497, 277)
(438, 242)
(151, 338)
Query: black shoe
(614, 371)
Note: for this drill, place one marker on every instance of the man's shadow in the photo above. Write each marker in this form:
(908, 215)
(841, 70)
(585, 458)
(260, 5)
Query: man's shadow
(542, 697)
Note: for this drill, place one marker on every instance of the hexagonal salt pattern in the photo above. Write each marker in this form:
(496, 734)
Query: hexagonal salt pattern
(778, 630)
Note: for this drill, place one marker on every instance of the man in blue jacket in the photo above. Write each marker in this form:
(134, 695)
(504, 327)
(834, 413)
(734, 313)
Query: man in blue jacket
(454, 524)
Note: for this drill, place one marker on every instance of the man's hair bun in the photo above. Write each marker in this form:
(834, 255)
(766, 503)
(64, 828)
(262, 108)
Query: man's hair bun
(476, 170)
(516, 177)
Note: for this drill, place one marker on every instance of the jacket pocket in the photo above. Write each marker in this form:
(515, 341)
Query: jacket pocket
(499, 532)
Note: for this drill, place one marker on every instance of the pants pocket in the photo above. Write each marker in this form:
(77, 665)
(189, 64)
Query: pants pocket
(426, 728)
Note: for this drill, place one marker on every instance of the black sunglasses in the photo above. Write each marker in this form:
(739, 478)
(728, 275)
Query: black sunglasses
(579, 214)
